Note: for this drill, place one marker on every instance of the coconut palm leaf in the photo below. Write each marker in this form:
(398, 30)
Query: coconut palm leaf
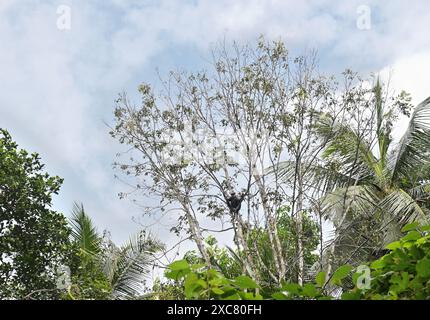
(421, 192)
(401, 209)
(359, 199)
(323, 177)
(129, 265)
(235, 256)
(413, 149)
(84, 233)
(344, 144)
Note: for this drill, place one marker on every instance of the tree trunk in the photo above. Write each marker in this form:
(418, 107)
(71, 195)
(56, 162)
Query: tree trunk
(300, 249)
(272, 231)
(241, 240)
(196, 234)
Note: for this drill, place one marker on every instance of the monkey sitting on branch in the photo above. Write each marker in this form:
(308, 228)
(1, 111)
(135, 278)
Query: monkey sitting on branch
(234, 202)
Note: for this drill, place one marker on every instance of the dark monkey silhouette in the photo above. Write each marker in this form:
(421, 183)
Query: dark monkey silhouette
(234, 202)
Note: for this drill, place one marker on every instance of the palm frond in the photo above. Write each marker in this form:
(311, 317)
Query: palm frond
(318, 175)
(420, 192)
(84, 233)
(413, 150)
(130, 265)
(343, 143)
(359, 199)
(382, 130)
(235, 256)
(402, 208)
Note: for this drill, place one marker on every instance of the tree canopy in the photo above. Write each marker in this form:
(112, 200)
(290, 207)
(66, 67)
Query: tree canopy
(34, 238)
(289, 182)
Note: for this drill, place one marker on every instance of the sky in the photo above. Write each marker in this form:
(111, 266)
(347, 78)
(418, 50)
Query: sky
(63, 63)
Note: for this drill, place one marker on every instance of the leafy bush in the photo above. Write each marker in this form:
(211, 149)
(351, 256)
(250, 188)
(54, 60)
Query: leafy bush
(258, 240)
(227, 262)
(199, 282)
(403, 273)
(34, 239)
(230, 262)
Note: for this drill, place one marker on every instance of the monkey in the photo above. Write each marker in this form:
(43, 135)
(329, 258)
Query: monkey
(234, 202)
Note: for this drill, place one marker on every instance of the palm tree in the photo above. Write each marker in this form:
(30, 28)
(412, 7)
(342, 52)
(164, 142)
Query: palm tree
(376, 186)
(125, 267)
(128, 266)
(84, 233)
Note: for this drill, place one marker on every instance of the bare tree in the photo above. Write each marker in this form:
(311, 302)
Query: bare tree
(207, 135)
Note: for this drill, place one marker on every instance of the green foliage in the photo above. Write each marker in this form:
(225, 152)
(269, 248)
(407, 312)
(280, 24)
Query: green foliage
(88, 281)
(341, 273)
(228, 262)
(100, 269)
(165, 290)
(390, 181)
(33, 238)
(127, 266)
(84, 233)
(293, 291)
(199, 282)
(225, 260)
(404, 273)
(287, 231)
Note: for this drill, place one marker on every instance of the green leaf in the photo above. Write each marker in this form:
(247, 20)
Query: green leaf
(249, 296)
(309, 290)
(245, 282)
(320, 278)
(422, 240)
(198, 266)
(412, 236)
(234, 296)
(177, 270)
(377, 264)
(410, 226)
(423, 268)
(217, 291)
(175, 274)
(279, 296)
(215, 282)
(425, 228)
(213, 274)
(393, 245)
(351, 295)
(258, 296)
(340, 274)
(403, 281)
(292, 288)
(179, 265)
(190, 285)
(202, 283)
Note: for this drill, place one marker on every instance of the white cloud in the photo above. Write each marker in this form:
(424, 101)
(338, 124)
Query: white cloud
(410, 73)
(57, 87)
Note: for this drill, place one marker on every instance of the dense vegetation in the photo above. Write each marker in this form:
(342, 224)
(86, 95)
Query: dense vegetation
(43, 256)
(34, 238)
(299, 172)
(403, 273)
